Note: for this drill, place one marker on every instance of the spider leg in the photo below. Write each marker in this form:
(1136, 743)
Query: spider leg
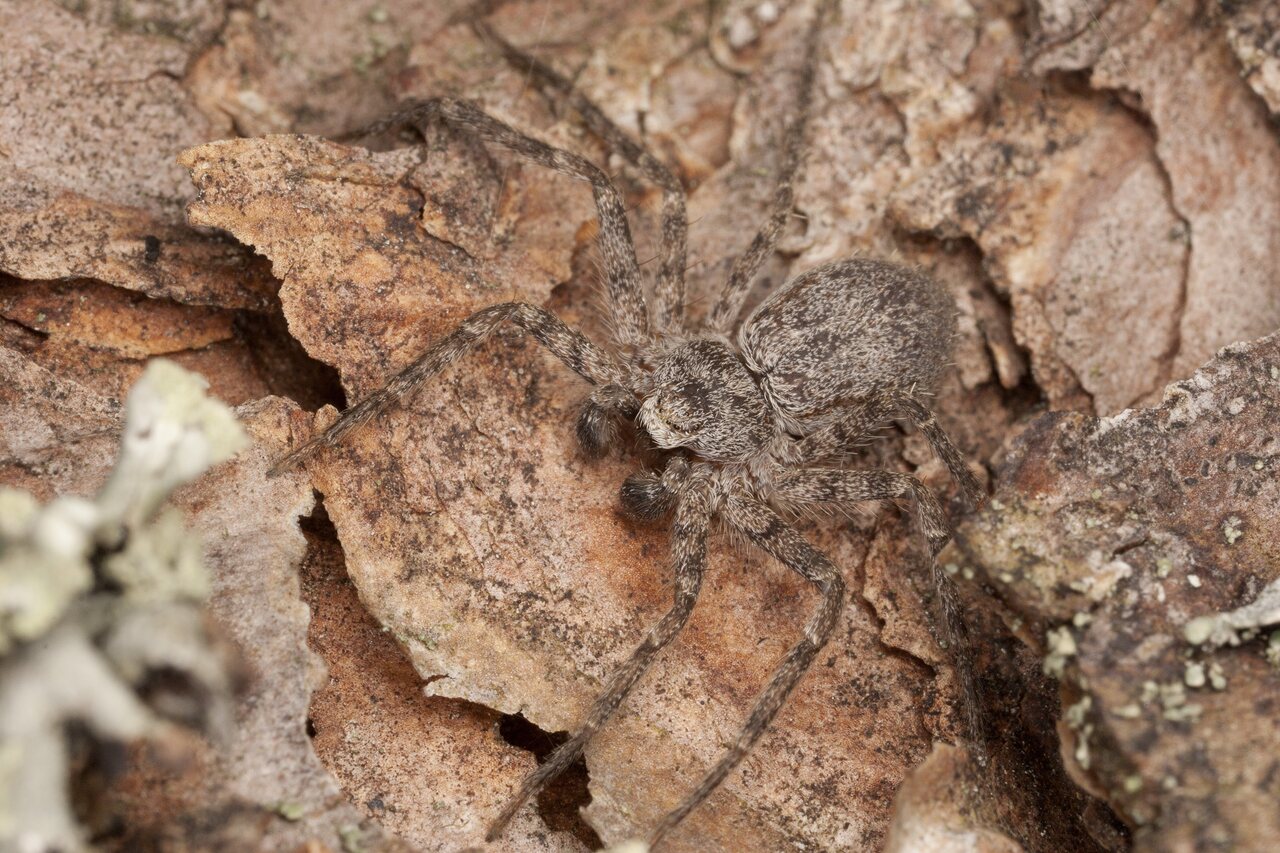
(689, 557)
(768, 531)
(839, 486)
(837, 437)
(626, 302)
(668, 293)
(569, 345)
(861, 418)
(825, 485)
(924, 418)
(726, 309)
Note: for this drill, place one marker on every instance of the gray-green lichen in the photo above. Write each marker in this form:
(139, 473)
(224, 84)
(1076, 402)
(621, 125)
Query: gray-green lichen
(96, 595)
(1222, 629)
(1062, 646)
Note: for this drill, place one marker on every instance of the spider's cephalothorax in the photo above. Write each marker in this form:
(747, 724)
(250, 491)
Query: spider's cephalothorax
(749, 419)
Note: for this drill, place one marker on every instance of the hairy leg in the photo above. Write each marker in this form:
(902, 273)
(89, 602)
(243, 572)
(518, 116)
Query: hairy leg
(668, 307)
(955, 636)
(857, 423)
(833, 486)
(726, 309)
(689, 557)
(837, 438)
(569, 345)
(625, 294)
(924, 418)
(838, 486)
(769, 532)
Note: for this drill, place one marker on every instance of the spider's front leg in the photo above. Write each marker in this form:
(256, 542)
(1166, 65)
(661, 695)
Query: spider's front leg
(689, 558)
(628, 310)
(668, 291)
(767, 530)
(569, 345)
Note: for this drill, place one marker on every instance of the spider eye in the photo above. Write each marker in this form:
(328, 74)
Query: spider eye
(676, 410)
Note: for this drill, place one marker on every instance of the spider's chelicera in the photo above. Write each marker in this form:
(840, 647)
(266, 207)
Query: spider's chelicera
(750, 411)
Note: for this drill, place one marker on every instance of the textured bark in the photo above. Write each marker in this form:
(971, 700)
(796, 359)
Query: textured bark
(1095, 184)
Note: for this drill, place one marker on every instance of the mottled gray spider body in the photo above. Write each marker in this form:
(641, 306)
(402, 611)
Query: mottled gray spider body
(748, 420)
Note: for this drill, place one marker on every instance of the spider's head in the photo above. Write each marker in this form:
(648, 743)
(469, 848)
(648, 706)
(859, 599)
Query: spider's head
(704, 399)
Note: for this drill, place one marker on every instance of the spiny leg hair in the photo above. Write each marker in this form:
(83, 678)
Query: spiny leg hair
(688, 557)
(628, 313)
(668, 293)
(766, 529)
(726, 309)
(569, 345)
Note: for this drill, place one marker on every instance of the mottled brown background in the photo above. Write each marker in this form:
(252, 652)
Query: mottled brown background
(1097, 184)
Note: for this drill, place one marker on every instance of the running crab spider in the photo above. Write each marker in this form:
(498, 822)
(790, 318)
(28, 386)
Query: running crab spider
(747, 419)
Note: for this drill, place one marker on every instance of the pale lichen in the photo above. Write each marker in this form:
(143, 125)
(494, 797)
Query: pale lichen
(1062, 645)
(96, 596)
(1077, 717)
(1230, 627)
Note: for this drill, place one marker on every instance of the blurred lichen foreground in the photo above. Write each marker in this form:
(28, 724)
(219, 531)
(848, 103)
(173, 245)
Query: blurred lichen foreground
(102, 629)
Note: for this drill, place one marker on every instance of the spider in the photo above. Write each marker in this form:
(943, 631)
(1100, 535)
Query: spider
(745, 420)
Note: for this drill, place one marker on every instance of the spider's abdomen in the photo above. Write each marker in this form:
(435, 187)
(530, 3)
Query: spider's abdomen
(846, 330)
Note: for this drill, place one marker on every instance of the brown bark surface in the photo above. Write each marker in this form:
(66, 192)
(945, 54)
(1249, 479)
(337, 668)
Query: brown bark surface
(1095, 183)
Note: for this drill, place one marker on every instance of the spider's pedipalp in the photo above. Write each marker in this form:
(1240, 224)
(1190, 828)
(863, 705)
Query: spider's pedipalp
(668, 292)
(629, 314)
(767, 530)
(726, 309)
(569, 345)
(646, 496)
(597, 425)
(689, 558)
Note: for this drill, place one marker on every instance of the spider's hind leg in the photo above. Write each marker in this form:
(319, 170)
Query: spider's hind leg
(841, 486)
(725, 311)
(829, 485)
(766, 529)
(862, 417)
(927, 422)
